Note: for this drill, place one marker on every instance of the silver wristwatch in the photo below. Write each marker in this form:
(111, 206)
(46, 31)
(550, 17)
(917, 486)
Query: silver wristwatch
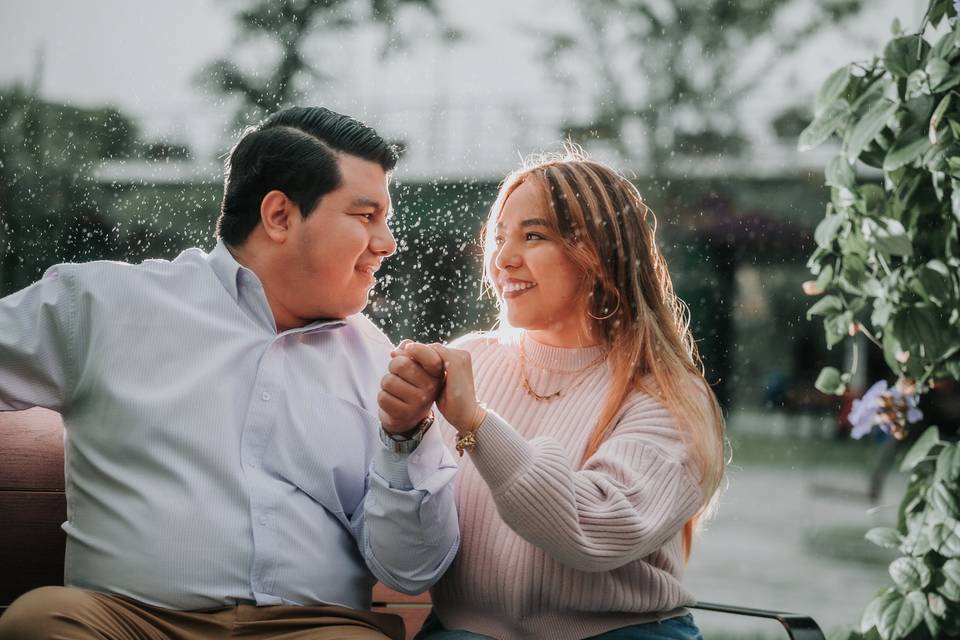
(406, 443)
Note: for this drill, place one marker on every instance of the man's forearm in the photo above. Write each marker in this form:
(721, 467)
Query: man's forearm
(410, 534)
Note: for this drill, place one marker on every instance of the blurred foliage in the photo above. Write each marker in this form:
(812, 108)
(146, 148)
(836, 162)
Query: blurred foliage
(888, 266)
(790, 123)
(687, 57)
(290, 26)
(52, 207)
(47, 154)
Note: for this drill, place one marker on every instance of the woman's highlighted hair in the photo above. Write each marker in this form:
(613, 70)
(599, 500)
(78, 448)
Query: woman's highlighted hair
(608, 231)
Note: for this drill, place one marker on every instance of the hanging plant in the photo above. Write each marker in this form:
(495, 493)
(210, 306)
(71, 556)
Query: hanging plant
(887, 265)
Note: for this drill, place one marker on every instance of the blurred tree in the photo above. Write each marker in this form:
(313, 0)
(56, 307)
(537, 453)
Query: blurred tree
(288, 26)
(678, 69)
(47, 211)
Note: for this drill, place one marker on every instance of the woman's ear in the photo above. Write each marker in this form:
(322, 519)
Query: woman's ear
(276, 213)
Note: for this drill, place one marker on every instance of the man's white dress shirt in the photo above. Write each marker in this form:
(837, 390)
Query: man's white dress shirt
(210, 460)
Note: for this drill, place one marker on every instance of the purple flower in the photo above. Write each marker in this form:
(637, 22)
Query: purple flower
(889, 408)
(863, 413)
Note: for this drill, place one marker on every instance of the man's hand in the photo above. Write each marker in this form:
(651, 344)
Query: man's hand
(409, 389)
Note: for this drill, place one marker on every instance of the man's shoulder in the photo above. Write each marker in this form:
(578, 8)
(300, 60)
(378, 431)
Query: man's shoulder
(112, 272)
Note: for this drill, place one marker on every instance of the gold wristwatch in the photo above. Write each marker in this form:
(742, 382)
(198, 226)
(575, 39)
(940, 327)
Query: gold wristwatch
(406, 442)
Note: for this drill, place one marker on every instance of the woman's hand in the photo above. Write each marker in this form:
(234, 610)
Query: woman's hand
(458, 398)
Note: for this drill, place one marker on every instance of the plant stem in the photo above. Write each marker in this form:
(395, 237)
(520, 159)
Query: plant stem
(870, 337)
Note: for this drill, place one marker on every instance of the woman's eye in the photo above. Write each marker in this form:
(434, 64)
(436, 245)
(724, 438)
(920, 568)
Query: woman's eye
(498, 240)
(368, 217)
(534, 236)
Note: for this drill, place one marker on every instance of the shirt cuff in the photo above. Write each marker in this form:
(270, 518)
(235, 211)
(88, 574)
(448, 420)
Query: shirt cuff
(393, 467)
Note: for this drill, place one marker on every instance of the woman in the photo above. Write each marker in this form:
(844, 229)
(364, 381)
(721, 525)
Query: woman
(594, 443)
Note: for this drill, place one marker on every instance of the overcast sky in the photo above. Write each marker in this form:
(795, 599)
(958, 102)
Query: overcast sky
(144, 56)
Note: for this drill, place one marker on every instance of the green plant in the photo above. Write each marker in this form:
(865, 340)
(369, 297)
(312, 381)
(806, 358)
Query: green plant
(886, 265)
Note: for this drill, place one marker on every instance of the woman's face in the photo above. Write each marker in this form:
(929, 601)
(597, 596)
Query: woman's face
(539, 284)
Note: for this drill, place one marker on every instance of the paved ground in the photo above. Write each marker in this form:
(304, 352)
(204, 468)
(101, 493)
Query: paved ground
(774, 545)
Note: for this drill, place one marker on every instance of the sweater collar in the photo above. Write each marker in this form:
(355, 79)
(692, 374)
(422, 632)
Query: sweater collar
(559, 358)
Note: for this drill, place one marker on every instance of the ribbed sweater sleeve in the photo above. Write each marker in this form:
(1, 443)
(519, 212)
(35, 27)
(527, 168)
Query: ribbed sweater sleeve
(552, 549)
(630, 497)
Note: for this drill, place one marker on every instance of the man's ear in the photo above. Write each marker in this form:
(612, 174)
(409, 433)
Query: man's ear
(276, 213)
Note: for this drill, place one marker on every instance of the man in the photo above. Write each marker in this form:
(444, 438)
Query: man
(221, 414)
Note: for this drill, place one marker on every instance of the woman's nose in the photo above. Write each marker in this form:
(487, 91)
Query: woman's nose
(507, 256)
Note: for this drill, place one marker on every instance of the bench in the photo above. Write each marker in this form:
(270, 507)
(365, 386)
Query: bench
(33, 506)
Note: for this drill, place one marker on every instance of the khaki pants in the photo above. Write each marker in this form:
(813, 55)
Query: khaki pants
(63, 613)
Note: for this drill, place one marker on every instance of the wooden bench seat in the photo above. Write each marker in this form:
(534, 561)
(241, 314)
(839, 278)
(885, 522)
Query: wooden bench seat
(33, 506)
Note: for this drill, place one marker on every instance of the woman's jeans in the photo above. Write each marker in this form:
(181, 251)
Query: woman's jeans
(681, 628)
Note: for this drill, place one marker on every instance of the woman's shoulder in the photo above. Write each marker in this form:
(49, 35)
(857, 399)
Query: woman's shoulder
(645, 414)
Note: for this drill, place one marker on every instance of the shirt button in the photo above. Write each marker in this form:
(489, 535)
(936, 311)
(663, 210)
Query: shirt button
(265, 396)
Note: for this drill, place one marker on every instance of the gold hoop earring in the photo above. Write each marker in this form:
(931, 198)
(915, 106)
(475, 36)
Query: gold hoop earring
(609, 315)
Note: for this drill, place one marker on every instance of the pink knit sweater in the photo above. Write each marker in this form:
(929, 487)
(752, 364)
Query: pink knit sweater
(548, 549)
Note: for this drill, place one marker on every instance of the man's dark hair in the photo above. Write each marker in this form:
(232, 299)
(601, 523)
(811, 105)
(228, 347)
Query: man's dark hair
(294, 151)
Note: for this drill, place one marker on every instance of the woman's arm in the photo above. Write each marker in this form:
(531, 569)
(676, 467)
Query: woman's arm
(629, 499)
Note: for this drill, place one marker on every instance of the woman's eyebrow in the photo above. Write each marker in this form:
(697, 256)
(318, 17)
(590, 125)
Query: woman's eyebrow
(529, 222)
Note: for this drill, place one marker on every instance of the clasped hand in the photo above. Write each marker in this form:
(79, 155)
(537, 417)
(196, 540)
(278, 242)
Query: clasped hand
(421, 375)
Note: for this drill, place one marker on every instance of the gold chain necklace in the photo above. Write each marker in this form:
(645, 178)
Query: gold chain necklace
(525, 382)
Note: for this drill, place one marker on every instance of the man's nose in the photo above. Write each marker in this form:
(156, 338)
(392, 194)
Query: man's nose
(382, 242)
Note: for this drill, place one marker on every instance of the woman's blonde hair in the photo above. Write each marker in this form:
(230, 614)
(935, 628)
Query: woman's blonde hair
(608, 232)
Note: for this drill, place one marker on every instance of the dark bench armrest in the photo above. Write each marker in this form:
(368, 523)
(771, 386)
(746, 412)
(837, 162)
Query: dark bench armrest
(799, 627)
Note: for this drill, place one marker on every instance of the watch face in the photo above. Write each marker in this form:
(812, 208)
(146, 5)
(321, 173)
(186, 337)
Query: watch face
(406, 444)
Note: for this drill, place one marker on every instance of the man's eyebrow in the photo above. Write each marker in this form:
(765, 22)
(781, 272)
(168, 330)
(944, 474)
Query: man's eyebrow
(530, 222)
(365, 202)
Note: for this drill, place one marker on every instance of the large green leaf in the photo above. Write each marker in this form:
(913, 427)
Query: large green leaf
(950, 589)
(871, 614)
(885, 537)
(902, 56)
(941, 75)
(827, 230)
(910, 574)
(840, 174)
(909, 145)
(824, 125)
(898, 615)
(935, 282)
(948, 463)
(887, 236)
(882, 310)
(825, 277)
(955, 199)
(832, 89)
(836, 328)
(946, 44)
(825, 306)
(920, 449)
(945, 538)
(923, 327)
(868, 128)
(830, 381)
(942, 497)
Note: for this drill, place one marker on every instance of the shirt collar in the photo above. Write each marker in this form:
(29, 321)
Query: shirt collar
(235, 277)
(227, 268)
